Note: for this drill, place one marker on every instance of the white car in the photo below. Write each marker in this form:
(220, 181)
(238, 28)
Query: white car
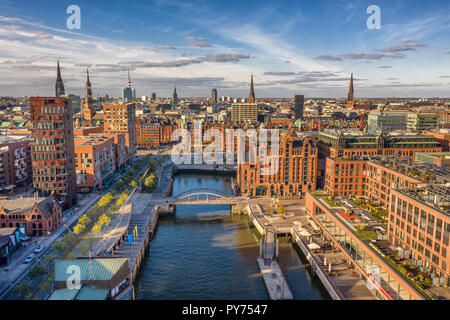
(30, 258)
(38, 249)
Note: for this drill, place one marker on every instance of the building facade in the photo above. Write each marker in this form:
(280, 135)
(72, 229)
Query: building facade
(40, 216)
(15, 162)
(95, 162)
(52, 149)
(337, 143)
(122, 119)
(297, 163)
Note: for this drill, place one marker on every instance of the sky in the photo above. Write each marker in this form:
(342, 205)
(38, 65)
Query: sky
(292, 47)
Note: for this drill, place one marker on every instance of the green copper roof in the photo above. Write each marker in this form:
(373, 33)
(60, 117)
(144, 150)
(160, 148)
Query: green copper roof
(101, 268)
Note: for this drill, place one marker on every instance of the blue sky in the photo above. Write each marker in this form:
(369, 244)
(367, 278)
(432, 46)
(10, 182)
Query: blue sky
(292, 47)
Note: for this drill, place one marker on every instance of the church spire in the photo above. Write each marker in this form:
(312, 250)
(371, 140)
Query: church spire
(59, 86)
(88, 111)
(251, 96)
(351, 98)
(129, 79)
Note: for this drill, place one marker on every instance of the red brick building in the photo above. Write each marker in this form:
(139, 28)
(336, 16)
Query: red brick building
(15, 162)
(40, 216)
(419, 223)
(296, 171)
(52, 149)
(95, 161)
(122, 119)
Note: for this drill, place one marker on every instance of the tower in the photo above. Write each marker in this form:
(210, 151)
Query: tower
(128, 93)
(351, 98)
(59, 86)
(88, 103)
(52, 149)
(174, 95)
(214, 95)
(298, 106)
(251, 96)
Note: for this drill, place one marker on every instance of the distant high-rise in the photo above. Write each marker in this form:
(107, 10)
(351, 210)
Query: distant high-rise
(88, 107)
(154, 96)
(298, 106)
(128, 93)
(52, 149)
(351, 98)
(174, 95)
(59, 86)
(214, 95)
(251, 96)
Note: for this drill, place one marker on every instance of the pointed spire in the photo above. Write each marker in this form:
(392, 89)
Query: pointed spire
(351, 98)
(251, 96)
(59, 86)
(129, 79)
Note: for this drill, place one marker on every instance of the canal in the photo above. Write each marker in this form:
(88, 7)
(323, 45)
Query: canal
(205, 253)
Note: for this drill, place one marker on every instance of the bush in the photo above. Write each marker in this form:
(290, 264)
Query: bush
(37, 271)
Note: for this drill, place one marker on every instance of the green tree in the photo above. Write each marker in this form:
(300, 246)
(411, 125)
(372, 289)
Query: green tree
(37, 271)
(133, 184)
(60, 247)
(79, 228)
(23, 289)
(84, 220)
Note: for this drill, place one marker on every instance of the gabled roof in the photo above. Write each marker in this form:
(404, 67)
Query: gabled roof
(26, 205)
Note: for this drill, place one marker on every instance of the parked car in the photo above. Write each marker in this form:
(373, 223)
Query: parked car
(30, 258)
(38, 249)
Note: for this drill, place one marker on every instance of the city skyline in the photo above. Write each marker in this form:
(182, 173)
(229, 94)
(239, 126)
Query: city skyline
(299, 48)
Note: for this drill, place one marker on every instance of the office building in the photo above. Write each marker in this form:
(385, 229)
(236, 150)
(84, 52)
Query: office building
(298, 106)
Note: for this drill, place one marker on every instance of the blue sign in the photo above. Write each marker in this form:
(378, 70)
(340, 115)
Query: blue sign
(22, 230)
(130, 239)
(17, 236)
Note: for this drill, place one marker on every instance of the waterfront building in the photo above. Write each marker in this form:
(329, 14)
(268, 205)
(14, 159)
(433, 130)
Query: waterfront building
(122, 119)
(419, 223)
(338, 143)
(95, 162)
(128, 93)
(59, 86)
(338, 223)
(15, 162)
(100, 279)
(52, 149)
(369, 177)
(296, 170)
(299, 101)
(418, 122)
(40, 216)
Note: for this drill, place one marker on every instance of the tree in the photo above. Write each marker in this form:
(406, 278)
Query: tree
(79, 228)
(84, 220)
(133, 184)
(281, 210)
(60, 247)
(23, 289)
(37, 271)
(105, 200)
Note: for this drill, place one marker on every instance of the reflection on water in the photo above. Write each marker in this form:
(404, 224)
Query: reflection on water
(205, 253)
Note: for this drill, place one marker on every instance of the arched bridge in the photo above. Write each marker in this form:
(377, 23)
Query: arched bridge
(195, 194)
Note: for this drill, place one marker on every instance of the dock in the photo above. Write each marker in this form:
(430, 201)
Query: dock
(275, 282)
